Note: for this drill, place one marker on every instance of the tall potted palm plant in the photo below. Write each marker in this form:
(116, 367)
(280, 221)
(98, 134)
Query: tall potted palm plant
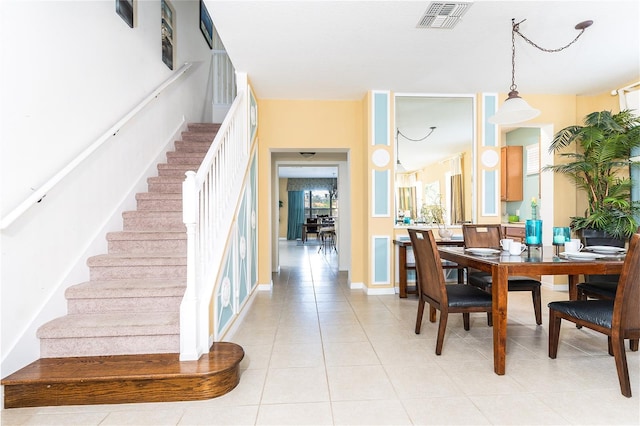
(600, 166)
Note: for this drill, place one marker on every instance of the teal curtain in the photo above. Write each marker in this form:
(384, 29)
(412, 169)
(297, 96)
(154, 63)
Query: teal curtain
(296, 215)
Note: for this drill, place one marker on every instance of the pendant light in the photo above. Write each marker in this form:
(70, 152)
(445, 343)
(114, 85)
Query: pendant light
(515, 109)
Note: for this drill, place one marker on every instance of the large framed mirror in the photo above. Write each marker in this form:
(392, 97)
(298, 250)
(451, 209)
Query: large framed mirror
(435, 150)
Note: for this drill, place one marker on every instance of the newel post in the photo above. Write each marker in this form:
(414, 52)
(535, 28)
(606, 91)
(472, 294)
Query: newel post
(189, 326)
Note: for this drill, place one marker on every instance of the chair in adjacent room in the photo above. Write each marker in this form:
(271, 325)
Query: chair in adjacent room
(489, 236)
(619, 319)
(447, 298)
(313, 227)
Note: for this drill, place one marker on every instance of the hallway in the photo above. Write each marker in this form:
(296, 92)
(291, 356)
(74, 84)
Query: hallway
(320, 353)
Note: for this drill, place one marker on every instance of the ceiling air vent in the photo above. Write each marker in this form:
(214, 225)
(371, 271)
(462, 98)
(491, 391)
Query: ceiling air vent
(440, 15)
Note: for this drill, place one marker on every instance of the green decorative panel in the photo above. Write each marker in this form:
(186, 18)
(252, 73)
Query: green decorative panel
(380, 199)
(381, 118)
(489, 109)
(225, 306)
(381, 259)
(253, 229)
(244, 286)
(490, 193)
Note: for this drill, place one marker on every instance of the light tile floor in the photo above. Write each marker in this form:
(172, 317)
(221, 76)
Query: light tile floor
(320, 353)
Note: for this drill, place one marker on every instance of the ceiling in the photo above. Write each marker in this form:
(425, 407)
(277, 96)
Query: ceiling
(340, 50)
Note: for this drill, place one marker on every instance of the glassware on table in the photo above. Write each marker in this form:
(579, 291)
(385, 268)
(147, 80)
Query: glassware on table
(561, 235)
(533, 233)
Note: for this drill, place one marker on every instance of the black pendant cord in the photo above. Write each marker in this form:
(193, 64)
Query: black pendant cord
(416, 140)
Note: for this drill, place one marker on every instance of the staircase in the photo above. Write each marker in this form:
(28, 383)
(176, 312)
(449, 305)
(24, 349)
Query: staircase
(131, 304)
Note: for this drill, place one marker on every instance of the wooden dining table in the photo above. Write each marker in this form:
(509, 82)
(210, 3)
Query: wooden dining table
(537, 261)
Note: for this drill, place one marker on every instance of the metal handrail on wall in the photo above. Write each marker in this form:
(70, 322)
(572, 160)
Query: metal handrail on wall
(42, 191)
(210, 197)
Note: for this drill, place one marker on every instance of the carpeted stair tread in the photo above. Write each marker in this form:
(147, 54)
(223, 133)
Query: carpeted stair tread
(171, 196)
(135, 259)
(146, 235)
(185, 158)
(127, 288)
(131, 303)
(203, 127)
(111, 324)
(166, 169)
(150, 220)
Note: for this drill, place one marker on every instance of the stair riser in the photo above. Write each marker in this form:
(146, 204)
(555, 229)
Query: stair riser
(118, 345)
(206, 137)
(160, 205)
(184, 158)
(193, 145)
(170, 222)
(148, 246)
(137, 272)
(177, 172)
(166, 187)
(137, 304)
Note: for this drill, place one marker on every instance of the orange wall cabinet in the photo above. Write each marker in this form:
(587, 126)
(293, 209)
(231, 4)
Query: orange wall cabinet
(511, 173)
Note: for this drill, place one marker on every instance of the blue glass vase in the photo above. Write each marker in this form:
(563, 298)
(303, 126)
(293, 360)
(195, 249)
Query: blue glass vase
(533, 232)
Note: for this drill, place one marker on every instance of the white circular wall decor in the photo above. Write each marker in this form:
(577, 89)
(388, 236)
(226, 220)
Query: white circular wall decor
(489, 158)
(243, 247)
(380, 157)
(225, 292)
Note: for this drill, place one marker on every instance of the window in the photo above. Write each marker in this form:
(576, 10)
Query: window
(320, 202)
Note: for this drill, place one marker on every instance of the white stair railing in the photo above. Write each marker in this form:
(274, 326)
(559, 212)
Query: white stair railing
(210, 196)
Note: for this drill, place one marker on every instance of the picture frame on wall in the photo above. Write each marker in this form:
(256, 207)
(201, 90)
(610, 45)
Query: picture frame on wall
(125, 8)
(167, 30)
(206, 24)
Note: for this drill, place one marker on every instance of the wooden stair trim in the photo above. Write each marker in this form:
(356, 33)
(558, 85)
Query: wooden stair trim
(124, 379)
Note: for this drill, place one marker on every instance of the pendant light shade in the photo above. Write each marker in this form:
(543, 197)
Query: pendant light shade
(514, 110)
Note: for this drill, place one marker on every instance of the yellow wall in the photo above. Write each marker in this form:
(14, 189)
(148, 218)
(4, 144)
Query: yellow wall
(313, 125)
(317, 125)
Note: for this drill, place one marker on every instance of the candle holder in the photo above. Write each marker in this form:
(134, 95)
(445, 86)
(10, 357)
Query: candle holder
(533, 234)
(561, 234)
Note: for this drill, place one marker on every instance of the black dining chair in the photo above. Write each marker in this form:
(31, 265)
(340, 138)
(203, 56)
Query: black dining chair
(619, 318)
(489, 236)
(313, 227)
(432, 289)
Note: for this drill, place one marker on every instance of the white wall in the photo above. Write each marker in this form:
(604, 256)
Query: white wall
(69, 71)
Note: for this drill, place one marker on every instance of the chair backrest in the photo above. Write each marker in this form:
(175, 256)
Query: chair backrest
(312, 220)
(481, 235)
(626, 307)
(428, 265)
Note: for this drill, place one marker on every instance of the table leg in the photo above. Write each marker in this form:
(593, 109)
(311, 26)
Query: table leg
(499, 290)
(402, 270)
(304, 234)
(573, 286)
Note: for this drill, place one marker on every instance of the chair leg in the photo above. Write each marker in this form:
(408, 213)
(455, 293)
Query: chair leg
(420, 312)
(554, 333)
(432, 314)
(465, 320)
(442, 326)
(633, 345)
(489, 319)
(537, 304)
(621, 365)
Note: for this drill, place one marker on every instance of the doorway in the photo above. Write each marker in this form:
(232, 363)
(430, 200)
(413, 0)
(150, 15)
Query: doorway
(339, 205)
